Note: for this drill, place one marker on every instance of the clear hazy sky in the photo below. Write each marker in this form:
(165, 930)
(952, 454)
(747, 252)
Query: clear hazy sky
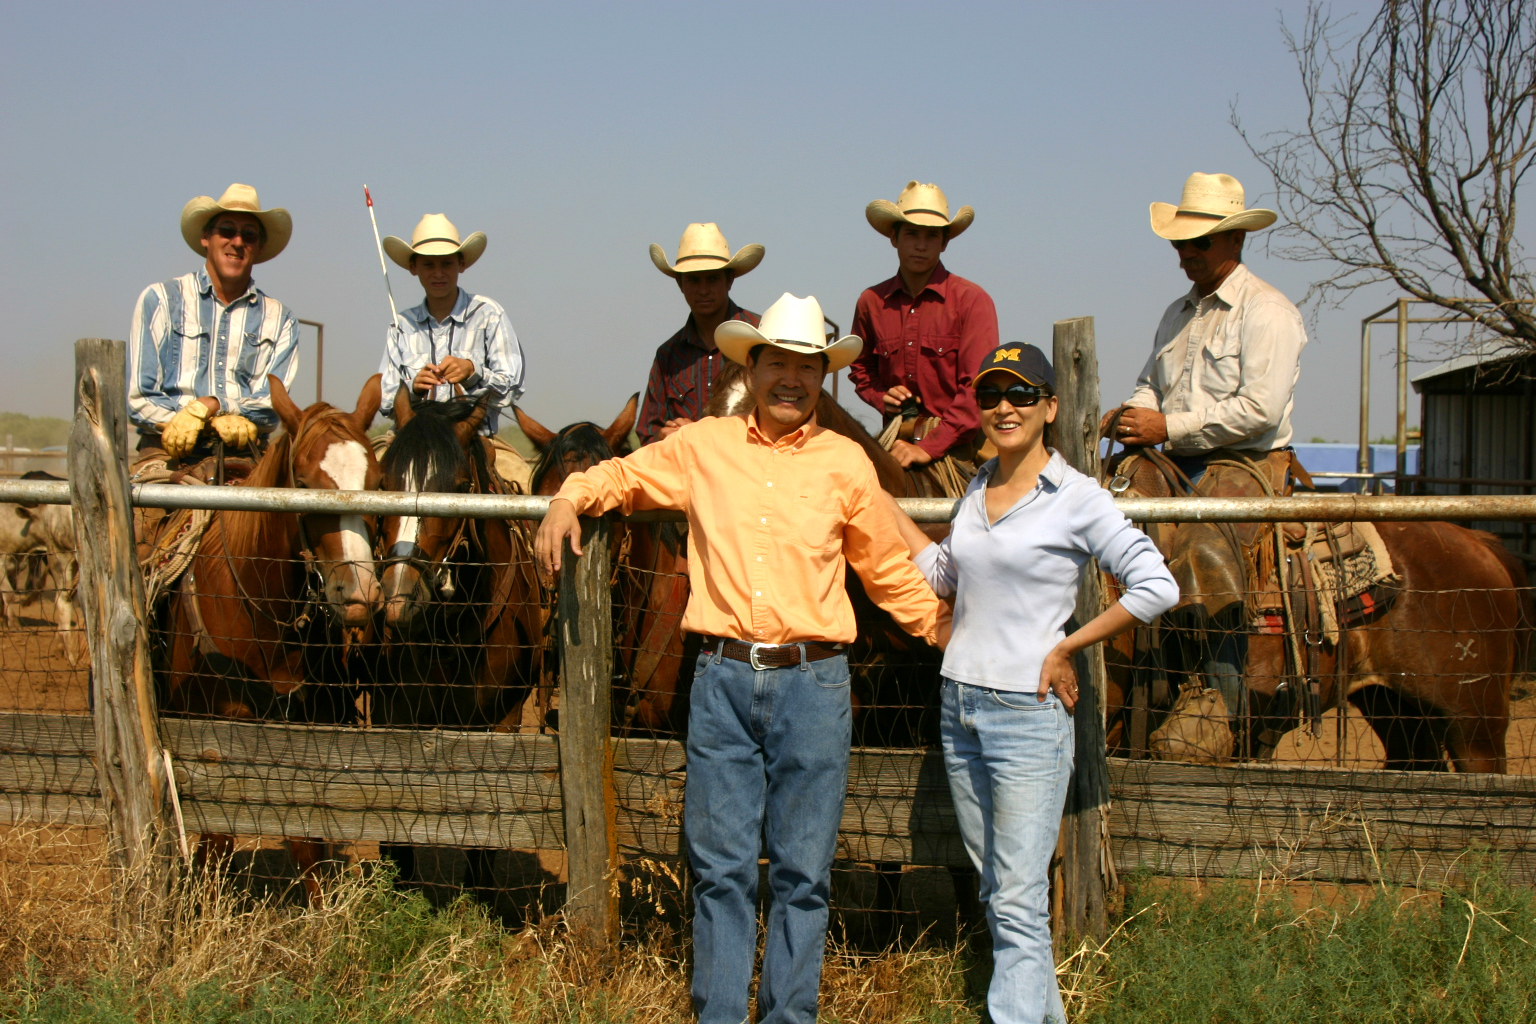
(575, 134)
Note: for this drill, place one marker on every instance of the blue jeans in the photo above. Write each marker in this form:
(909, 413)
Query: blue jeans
(1009, 757)
(767, 760)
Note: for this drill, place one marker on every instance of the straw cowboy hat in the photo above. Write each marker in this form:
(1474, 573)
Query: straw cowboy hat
(236, 199)
(790, 323)
(924, 205)
(1210, 203)
(435, 235)
(703, 247)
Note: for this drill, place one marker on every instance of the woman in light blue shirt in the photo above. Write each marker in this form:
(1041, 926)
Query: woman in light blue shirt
(1025, 528)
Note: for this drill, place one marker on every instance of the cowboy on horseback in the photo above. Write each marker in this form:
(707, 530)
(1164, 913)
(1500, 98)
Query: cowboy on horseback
(1218, 390)
(925, 332)
(688, 363)
(201, 345)
(454, 343)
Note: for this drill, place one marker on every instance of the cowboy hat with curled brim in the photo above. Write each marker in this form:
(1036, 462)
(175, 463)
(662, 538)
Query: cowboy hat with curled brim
(703, 247)
(923, 205)
(796, 325)
(1210, 203)
(435, 235)
(236, 199)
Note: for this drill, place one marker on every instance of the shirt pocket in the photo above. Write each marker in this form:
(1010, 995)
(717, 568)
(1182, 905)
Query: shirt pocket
(190, 343)
(816, 522)
(255, 357)
(942, 352)
(1223, 358)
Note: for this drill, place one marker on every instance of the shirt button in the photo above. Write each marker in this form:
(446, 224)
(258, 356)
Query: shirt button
(759, 593)
(762, 520)
(770, 483)
(759, 558)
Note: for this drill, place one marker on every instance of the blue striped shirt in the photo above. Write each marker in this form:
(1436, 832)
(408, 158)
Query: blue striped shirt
(476, 330)
(184, 344)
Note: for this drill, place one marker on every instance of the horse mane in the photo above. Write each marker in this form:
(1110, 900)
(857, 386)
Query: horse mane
(428, 444)
(243, 530)
(583, 440)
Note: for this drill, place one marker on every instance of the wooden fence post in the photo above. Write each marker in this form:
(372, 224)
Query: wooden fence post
(128, 752)
(586, 751)
(1085, 867)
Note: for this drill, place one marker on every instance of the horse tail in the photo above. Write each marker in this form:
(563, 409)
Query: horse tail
(1519, 580)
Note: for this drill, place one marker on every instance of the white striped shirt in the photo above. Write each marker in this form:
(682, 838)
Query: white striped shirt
(184, 345)
(476, 330)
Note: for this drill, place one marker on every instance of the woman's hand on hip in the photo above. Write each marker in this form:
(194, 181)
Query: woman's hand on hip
(1058, 675)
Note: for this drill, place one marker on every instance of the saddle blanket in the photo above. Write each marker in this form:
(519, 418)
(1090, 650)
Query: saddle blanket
(1348, 566)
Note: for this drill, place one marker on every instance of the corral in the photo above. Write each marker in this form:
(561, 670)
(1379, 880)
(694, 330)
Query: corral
(591, 811)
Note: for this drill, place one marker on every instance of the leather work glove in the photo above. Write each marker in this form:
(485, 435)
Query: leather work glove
(180, 435)
(234, 430)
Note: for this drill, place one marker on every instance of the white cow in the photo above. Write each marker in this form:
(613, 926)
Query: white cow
(25, 533)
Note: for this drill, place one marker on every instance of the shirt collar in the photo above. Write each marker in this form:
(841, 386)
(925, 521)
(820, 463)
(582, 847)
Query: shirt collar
(794, 439)
(205, 286)
(691, 334)
(1228, 291)
(1054, 473)
(938, 284)
(463, 306)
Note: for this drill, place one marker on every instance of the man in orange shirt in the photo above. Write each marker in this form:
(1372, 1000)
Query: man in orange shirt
(777, 508)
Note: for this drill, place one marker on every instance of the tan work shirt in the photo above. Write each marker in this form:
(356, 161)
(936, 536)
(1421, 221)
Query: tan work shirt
(1224, 368)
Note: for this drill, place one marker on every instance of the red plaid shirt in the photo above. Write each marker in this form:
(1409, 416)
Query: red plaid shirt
(682, 375)
(931, 344)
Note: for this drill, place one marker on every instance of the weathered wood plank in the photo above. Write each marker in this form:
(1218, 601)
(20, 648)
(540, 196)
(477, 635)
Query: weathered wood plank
(482, 792)
(340, 748)
(111, 594)
(586, 750)
(50, 809)
(53, 734)
(515, 830)
(62, 774)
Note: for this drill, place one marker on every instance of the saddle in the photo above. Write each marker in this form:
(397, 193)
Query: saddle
(167, 539)
(952, 472)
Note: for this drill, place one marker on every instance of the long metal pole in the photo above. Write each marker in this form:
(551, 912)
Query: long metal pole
(1402, 394)
(1365, 397)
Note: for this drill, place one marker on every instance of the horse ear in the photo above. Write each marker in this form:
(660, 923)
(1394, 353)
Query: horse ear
(402, 410)
(535, 431)
(368, 401)
(283, 405)
(466, 427)
(617, 434)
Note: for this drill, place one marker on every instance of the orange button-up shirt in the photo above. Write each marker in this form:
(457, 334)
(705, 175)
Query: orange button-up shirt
(772, 526)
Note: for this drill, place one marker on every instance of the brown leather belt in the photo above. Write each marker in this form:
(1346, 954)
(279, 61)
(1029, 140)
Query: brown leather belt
(761, 656)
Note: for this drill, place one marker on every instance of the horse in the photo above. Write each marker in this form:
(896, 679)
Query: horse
(1431, 672)
(463, 616)
(249, 627)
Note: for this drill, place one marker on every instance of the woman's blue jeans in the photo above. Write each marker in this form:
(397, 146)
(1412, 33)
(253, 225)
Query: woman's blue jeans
(767, 762)
(1009, 758)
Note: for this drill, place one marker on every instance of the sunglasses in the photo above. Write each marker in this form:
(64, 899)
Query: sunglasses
(248, 234)
(1020, 396)
(1203, 244)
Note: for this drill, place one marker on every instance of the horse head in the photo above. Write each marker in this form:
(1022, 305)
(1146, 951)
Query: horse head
(435, 449)
(324, 448)
(577, 447)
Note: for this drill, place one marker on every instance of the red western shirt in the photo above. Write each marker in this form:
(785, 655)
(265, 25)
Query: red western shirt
(932, 344)
(682, 375)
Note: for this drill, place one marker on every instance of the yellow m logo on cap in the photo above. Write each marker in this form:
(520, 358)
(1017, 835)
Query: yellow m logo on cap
(1007, 354)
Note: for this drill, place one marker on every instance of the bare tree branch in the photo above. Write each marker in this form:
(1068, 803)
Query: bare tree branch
(1419, 132)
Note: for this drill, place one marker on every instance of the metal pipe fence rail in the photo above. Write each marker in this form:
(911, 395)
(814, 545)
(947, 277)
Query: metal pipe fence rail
(586, 807)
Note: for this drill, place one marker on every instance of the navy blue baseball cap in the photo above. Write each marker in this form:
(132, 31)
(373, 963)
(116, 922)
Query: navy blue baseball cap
(1023, 361)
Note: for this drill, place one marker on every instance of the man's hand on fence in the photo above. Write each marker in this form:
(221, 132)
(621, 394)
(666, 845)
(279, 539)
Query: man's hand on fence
(560, 522)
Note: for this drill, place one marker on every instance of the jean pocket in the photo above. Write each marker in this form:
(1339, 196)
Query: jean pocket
(1023, 701)
(830, 673)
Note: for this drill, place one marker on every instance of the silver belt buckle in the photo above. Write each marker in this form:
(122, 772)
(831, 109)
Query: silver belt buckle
(752, 657)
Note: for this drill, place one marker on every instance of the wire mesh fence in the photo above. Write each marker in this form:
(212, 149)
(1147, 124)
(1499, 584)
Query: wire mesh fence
(1240, 738)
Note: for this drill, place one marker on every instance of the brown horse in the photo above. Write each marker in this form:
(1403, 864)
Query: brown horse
(1431, 673)
(461, 600)
(252, 624)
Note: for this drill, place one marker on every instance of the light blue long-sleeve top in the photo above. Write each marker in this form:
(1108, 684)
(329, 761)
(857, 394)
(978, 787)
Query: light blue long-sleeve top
(185, 344)
(1015, 580)
(477, 330)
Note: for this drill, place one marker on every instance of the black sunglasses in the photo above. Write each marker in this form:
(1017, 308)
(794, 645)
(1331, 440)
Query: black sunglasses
(248, 234)
(1203, 244)
(1020, 396)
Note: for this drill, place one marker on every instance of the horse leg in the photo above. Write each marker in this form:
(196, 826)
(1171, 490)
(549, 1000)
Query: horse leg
(1475, 737)
(1406, 732)
(308, 855)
